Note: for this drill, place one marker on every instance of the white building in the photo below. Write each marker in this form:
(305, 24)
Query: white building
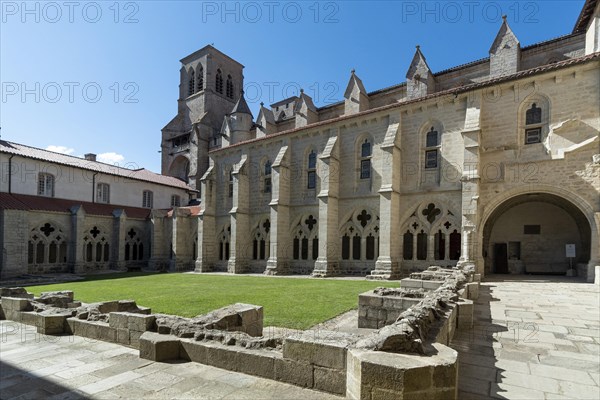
(62, 213)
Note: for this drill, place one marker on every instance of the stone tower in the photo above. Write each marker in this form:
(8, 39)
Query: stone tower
(209, 87)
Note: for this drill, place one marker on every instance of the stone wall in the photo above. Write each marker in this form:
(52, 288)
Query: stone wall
(231, 338)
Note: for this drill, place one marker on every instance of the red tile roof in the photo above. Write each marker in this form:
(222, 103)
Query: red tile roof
(584, 17)
(194, 211)
(40, 203)
(141, 174)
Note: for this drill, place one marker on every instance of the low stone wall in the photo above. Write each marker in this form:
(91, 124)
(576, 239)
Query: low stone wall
(304, 360)
(379, 375)
(377, 309)
(382, 307)
(405, 358)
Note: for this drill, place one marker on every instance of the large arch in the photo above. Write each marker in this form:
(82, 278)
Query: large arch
(180, 168)
(561, 217)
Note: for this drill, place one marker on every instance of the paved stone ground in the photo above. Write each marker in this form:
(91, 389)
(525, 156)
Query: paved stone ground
(534, 338)
(34, 366)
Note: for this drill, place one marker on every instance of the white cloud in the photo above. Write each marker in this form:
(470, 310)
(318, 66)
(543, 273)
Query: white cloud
(110, 158)
(60, 149)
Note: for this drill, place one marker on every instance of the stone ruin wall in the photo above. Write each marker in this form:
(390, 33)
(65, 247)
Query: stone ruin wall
(405, 357)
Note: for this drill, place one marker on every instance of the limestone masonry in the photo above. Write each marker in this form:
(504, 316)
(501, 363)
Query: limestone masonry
(493, 164)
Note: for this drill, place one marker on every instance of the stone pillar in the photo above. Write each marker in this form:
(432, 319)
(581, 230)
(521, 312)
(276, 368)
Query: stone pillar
(279, 259)
(388, 263)
(207, 251)
(240, 220)
(471, 250)
(182, 240)
(593, 269)
(327, 264)
(75, 258)
(160, 238)
(446, 247)
(431, 247)
(117, 254)
(14, 241)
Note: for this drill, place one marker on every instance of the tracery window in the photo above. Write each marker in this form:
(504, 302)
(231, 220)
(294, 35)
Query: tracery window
(224, 240)
(47, 245)
(360, 237)
(260, 242)
(305, 243)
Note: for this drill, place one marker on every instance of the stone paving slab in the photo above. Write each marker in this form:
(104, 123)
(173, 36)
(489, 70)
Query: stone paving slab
(533, 339)
(35, 366)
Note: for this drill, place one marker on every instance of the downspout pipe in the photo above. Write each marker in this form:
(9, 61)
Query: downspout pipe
(10, 174)
(94, 187)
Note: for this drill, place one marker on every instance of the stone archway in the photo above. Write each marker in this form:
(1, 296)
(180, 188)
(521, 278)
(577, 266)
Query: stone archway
(527, 233)
(180, 168)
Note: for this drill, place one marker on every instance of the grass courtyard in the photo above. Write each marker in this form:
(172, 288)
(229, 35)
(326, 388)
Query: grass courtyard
(297, 303)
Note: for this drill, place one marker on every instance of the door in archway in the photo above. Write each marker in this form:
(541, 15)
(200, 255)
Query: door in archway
(532, 229)
(500, 258)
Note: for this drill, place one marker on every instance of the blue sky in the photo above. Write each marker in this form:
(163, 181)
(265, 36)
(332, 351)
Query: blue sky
(103, 76)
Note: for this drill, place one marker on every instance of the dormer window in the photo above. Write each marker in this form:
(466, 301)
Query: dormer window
(219, 82)
(533, 125)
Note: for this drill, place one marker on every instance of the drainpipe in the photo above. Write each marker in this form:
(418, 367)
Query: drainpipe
(10, 174)
(94, 187)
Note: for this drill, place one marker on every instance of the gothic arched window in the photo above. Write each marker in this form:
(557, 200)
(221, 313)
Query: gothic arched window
(432, 142)
(191, 83)
(366, 151)
(229, 87)
(267, 177)
(219, 82)
(312, 170)
(200, 79)
(533, 125)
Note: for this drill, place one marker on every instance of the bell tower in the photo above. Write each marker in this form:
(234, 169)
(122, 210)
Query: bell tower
(209, 87)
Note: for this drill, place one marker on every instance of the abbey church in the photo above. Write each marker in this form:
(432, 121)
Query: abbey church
(494, 163)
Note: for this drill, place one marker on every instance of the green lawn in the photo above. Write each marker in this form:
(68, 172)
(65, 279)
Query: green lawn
(288, 302)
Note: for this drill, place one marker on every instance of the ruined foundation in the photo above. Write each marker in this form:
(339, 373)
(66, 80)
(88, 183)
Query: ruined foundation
(405, 357)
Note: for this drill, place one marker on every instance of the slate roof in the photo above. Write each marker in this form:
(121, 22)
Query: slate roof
(241, 106)
(141, 174)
